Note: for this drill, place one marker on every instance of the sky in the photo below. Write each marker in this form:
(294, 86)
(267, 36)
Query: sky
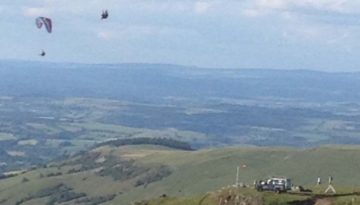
(278, 34)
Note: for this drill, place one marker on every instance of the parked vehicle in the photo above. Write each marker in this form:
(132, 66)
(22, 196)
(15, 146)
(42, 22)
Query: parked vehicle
(275, 184)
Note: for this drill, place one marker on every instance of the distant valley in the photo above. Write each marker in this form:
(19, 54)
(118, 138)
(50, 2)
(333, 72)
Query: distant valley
(51, 111)
(165, 134)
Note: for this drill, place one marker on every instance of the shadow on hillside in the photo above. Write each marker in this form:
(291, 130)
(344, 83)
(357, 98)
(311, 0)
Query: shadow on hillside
(303, 202)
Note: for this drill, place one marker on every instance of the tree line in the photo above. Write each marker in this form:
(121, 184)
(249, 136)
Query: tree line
(166, 142)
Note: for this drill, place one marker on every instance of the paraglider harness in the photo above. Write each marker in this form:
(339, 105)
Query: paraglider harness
(42, 53)
(104, 15)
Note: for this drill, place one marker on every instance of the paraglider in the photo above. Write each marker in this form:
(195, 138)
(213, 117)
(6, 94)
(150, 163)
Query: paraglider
(47, 23)
(40, 21)
(104, 15)
(42, 54)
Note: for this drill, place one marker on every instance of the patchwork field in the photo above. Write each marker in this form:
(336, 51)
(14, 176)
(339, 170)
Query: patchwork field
(34, 131)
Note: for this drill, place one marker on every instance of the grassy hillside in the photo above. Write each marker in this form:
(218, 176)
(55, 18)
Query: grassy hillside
(121, 175)
(235, 196)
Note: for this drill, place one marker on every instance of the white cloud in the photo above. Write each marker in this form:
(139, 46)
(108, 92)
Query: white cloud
(201, 7)
(336, 6)
(317, 34)
(272, 4)
(316, 21)
(251, 12)
(137, 32)
(160, 6)
(35, 11)
(105, 35)
(340, 6)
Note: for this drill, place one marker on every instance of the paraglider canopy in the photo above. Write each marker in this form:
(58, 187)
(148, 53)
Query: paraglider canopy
(40, 21)
(104, 15)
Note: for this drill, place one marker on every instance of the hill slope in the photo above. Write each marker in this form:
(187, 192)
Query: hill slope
(120, 175)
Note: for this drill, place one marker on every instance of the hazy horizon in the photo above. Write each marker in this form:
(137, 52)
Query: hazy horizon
(178, 65)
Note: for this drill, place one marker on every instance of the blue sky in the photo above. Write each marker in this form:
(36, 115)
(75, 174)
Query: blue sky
(285, 34)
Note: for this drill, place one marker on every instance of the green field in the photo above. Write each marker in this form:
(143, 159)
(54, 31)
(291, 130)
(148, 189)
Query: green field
(193, 173)
(6, 136)
(44, 129)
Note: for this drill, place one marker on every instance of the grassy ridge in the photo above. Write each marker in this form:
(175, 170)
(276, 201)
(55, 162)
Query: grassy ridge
(193, 173)
(234, 196)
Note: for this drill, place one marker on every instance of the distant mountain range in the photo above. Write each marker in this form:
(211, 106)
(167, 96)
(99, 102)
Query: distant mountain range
(154, 82)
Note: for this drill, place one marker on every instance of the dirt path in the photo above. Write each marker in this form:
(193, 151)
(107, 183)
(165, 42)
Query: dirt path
(326, 201)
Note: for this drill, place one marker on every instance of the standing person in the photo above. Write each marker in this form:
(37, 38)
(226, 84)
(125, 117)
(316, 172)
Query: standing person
(318, 181)
(330, 188)
(330, 180)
